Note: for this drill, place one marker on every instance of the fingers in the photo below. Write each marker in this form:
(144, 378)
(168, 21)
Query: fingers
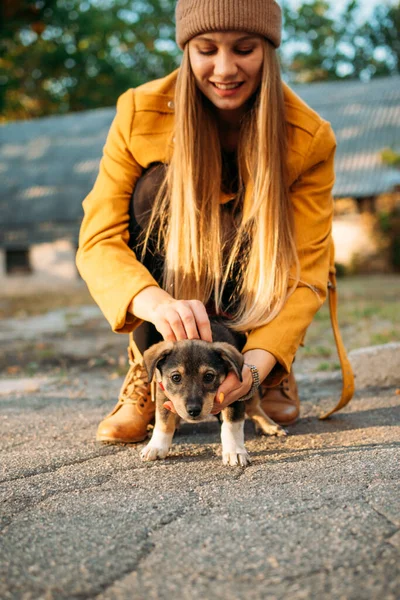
(231, 389)
(183, 319)
(188, 319)
(202, 320)
(169, 323)
(169, 406)
(174, 322)
(218, 404)
(164, 328)
(230, 384)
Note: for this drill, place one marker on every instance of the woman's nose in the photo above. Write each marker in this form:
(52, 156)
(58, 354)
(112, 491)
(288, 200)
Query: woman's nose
(224, 66)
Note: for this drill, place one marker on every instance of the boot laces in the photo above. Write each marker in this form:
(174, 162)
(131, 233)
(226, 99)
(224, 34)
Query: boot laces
(284, 385)
(136, 386)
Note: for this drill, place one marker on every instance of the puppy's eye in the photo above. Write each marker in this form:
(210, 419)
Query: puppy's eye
(208, 377)
(176, 377)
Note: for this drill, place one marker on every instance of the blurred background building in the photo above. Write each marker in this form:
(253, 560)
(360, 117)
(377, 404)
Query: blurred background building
(65, 62)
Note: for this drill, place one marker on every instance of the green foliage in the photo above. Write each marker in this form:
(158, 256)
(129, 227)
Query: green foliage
(323, 47)
(341, 270)
(317, 351)
(384, 337)
(368, 310)
(58, 56)
(324, 366)
(383, 32)
(396, 254)
(390, 157)
(70, 55)
(384, 221)
(389, 224)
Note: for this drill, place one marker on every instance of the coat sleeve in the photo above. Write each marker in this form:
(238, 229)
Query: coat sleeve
(311, 195)
(109, 267)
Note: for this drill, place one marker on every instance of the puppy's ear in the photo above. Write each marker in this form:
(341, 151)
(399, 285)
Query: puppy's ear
(154, 355)
(231, 356)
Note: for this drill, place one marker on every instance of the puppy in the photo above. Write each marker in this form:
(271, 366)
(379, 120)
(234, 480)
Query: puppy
(190, 372)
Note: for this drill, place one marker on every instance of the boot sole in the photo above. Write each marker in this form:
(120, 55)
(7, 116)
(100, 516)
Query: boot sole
(113, 440)
(285, 424)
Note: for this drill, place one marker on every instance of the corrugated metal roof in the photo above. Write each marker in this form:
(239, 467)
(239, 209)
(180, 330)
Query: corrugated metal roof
(366, 119)
(48, 165)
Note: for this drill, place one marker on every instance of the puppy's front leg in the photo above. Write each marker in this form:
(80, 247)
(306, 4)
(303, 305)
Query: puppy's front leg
(232, 436)
(163, 432)
(262, 421)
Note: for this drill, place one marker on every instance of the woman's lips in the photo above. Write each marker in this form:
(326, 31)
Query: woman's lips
(226, 89)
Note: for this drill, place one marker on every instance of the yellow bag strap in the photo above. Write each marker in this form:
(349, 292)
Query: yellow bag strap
(347, 371)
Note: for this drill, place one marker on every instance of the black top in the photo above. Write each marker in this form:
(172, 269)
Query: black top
(140, 208)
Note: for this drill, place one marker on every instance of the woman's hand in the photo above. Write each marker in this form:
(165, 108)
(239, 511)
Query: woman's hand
(174, 319)
(231, 389)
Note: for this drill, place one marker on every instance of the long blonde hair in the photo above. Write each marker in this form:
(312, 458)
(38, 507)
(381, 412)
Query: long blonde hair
(261, 251)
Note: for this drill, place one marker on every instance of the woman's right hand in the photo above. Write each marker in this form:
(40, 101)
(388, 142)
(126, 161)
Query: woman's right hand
(174, 319)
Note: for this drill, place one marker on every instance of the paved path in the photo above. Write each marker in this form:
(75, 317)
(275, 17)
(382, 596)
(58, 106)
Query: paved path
(315, 516)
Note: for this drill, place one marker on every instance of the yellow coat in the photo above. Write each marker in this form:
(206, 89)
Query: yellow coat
(140, 135)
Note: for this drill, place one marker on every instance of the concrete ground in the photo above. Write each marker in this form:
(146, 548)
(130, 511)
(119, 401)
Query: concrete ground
(316, 515)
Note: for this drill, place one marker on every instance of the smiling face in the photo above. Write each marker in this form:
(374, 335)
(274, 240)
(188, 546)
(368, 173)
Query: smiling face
(227, 67)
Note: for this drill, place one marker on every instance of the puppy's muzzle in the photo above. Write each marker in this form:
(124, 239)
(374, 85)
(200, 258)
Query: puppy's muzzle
(194, 406)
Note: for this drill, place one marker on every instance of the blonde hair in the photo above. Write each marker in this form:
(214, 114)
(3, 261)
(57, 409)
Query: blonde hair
(260, 250)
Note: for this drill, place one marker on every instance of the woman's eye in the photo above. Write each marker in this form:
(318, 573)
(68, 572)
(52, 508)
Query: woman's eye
(207, 52)
(176, 377)
(244, 51)
(208, 377)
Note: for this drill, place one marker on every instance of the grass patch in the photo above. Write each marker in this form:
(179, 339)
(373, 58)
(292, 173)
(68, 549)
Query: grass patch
(324, 366)
(27, 305)
(322, 315)
(317, 351)
(368, 313)
(385, 338)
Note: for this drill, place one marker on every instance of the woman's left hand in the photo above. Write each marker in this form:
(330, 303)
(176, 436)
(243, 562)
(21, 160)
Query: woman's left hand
(231, 389)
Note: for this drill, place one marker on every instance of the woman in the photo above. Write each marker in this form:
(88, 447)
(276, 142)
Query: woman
(213, 196)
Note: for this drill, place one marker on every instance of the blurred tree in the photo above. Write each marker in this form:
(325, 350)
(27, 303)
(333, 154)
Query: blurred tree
(58, 56)
(382, 33)
(316, 46)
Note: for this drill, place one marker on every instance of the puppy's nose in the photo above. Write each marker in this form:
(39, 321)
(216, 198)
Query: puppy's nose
(194, 411)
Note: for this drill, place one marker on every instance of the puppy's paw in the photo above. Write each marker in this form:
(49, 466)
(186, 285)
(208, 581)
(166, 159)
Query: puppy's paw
(266, 428)
(234, 452)
(280, 431)
(158, 447)
(150, 452)
(240, 458)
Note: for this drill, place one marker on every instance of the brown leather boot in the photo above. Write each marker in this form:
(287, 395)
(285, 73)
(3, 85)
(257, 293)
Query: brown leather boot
(134, 410)
(282, 403)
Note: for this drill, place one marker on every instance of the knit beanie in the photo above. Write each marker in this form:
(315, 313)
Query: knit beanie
(254, 16)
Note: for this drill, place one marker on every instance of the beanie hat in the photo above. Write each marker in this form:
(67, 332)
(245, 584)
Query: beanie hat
(262, 17)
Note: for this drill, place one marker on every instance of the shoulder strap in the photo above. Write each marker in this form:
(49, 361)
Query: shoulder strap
(347, 372)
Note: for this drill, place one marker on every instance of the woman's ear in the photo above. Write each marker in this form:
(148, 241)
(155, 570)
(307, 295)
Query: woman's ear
(231, 357)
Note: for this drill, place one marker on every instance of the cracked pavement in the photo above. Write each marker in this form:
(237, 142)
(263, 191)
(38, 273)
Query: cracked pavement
(316, 515)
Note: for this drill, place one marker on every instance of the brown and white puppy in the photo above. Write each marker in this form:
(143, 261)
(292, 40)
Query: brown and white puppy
(190, 372)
